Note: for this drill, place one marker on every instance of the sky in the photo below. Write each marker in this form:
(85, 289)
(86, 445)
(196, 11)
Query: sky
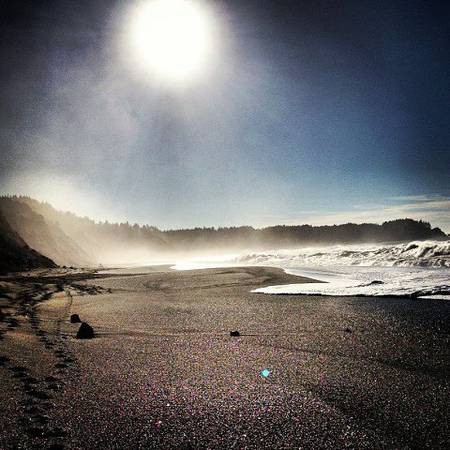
(305, 112)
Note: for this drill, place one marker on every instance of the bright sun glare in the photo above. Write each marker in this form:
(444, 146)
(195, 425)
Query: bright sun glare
(172, 38)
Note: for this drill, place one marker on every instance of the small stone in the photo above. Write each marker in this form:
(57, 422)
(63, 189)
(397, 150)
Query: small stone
(85, 331)
(75, 318)
(235, 333)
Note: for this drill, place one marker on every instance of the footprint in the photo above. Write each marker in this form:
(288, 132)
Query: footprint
(19, 375)
(41, 395)
(29, 402)
(13, 323)
(35, 432)
(30, 380)
(56, 432)
(51, 379)
(61, 353)
(25, 421)
(61, 365)
(47, 405)
(56, 447)
(41, 419)
(33, 409)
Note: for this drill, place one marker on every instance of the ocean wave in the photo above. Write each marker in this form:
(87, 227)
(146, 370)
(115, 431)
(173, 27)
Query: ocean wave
(412, 254)
(414, 269)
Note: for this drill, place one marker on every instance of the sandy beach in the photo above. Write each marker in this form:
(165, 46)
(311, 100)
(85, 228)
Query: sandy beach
(163, 371)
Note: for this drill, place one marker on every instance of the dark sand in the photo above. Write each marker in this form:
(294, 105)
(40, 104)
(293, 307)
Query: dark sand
(164, 372)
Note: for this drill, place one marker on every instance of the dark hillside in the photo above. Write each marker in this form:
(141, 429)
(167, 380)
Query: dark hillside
(45, 237)
(15, 254)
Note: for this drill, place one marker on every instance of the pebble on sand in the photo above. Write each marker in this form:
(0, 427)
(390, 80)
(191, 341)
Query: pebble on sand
(85, 331)
(235, 333)
(75, 318)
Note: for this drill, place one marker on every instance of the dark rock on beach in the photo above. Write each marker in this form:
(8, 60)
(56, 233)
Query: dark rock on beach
(235, 333)
(85, 331)
(75, 318)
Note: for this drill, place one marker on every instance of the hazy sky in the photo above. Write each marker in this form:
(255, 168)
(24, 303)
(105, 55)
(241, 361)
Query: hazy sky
(309, 111)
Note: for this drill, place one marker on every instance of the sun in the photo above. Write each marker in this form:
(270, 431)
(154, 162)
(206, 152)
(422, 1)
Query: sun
(172, 39)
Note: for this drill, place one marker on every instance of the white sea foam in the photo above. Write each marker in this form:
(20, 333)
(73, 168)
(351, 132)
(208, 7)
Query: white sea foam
(370, 281)
(412, 254)
(420, 268)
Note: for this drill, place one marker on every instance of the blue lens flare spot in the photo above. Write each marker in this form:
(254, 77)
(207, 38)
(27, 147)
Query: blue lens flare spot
(265, 373)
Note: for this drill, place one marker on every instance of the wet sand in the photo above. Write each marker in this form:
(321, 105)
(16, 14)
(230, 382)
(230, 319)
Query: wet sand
(163, 371)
